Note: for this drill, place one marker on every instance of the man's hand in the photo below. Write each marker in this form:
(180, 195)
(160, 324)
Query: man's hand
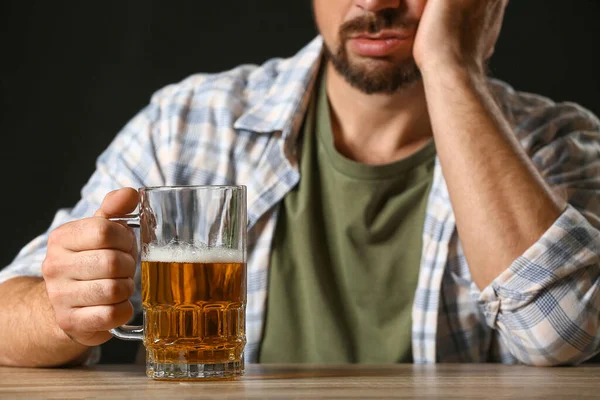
(89, 270)
(459, 33)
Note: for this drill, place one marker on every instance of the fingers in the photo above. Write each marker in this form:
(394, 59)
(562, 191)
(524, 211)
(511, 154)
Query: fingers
(71, 294)
(91, 234)
(90, 325)
(72, 287)
(92, 338)
(88, 265)
(102, 292)
(101, 264)
(102, 318)
(89, 269)
(118, 202)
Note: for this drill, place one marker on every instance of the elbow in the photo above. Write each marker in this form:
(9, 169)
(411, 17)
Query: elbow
(546, 362)
(568, 348)
(558, 326)
(556, 362)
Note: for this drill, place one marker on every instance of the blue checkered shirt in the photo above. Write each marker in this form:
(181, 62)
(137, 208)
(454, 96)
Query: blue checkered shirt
(241, 127)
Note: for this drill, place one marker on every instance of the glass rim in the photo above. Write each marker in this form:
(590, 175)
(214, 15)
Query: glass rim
(191, 187)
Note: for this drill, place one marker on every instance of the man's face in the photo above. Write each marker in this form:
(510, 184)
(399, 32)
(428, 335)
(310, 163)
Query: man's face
(369, 42)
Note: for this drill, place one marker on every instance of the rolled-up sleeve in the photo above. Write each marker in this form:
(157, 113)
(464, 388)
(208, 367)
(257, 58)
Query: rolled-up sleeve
(546, 305)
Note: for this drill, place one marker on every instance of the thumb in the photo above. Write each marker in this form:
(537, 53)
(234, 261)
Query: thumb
(118, 202)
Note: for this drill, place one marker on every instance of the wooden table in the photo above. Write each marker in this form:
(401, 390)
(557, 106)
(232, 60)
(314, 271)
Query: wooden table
(459, 381)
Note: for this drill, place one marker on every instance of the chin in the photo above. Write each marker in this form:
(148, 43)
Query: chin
(378, 65)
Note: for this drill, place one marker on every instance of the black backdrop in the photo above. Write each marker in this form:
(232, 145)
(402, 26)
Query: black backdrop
(73, 72)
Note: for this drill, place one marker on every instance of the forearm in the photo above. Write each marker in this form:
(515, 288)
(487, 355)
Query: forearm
(502, 205)
(29, 335)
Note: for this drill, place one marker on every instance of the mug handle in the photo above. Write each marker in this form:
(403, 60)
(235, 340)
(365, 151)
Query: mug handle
(128, 332)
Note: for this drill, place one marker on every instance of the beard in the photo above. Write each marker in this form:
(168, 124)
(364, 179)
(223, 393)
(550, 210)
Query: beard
(381, 75)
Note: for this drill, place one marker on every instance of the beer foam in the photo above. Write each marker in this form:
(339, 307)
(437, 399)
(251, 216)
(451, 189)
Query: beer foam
(188, 253)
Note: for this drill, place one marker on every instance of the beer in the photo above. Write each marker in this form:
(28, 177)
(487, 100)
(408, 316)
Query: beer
(194, 305)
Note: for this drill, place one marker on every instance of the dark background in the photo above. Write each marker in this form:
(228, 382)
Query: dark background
(73, 72)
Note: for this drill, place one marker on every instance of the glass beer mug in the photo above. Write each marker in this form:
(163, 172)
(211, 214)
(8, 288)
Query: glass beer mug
(193, 263)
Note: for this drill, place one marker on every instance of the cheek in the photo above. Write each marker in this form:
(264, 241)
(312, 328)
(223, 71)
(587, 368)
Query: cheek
(416, 7)
(329, 17)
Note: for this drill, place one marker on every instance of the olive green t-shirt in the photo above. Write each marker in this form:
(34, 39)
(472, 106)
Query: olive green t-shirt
(346, 254)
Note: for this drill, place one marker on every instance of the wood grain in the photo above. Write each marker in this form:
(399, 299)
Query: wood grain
(448, 381)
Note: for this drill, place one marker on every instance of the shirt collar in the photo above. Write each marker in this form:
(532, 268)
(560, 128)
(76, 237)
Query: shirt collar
(282, 108)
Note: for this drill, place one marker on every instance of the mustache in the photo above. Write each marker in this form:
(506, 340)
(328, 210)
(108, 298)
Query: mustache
(374, 23)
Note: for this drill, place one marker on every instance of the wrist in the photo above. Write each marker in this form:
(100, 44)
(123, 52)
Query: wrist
(453, 68)
(453, 76)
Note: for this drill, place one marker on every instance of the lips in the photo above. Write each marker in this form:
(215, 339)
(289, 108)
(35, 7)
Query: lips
(378, 45)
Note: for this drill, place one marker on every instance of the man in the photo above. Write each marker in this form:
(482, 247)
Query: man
(402, 207)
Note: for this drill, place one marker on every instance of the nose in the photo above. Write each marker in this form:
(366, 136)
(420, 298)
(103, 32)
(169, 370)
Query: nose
(376, 5)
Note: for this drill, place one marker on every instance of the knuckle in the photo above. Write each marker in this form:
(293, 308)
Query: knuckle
(64, 320)
(54, 237)
(123, 312)
(55, 294)
(121, 289)
(134, 256)
(110, 316)
(98, 320)
(50, 267)
(113, 290)
(129, 263)
(131, 240)
(57, 237)
(129, 287)
(119, 264)
(100, 230)
(112, 313)
(112, 269)
(118, 314)
(110, 260)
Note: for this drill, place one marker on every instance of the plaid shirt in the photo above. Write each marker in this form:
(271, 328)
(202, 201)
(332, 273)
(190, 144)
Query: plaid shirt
(242, 126)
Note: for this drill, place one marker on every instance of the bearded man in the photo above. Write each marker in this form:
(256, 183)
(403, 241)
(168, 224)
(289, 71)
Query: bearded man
(403, 206)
